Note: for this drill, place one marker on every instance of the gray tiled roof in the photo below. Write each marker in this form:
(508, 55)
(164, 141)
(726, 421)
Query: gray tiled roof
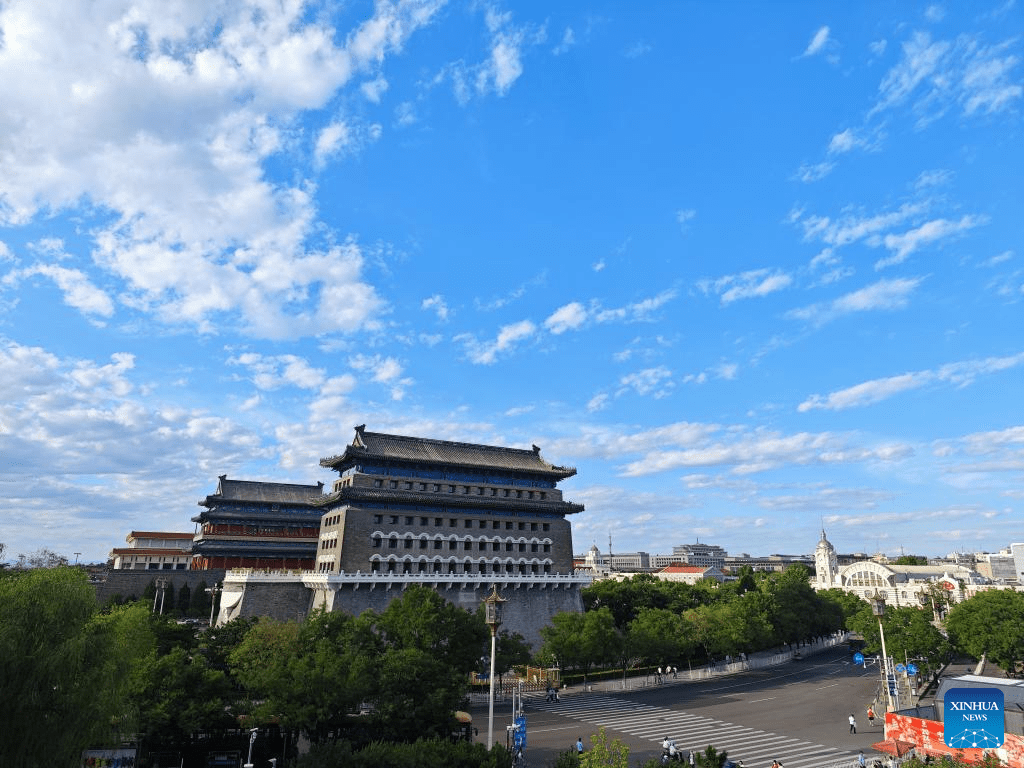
(256, 491)
(428, 451)
(356, 494)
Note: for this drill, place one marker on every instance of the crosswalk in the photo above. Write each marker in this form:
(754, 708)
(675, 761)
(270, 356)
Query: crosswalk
(754, 747)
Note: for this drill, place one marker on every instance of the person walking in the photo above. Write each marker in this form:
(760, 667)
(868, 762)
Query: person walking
(853, 724)
(579, 746)
(861, 761)
(871, 717)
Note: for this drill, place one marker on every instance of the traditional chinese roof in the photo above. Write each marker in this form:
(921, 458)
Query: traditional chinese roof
(355, 495)
(369, 446)
(158, 535)
(260, 492)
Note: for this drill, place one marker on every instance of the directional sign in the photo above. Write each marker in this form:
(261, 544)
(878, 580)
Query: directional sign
(911, 669)
(900, 668)
(858, 658)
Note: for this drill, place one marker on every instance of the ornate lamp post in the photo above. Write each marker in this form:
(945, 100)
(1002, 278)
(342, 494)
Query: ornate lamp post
(215, 590)
(878, 608)
(252, 740)
(492, 616)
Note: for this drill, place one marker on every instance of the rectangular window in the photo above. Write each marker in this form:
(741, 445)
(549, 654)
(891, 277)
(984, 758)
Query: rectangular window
(547, 526)
(393, 484)
(378, 483)
(423, 521)
(495, 547)
(533, 526)
(496, 525)
(452, 522)
(508, 546)
(378, 518)
(437, 521)
(469, 523)
(483, 546)
(533, 547)
(508, 526)
(394, 519)
(437, 543)
(453, 545)
(408, 519)
(407, 544)
(547, 547)
(393, 544)
(423, 543)
(522, 526)
(467, 545)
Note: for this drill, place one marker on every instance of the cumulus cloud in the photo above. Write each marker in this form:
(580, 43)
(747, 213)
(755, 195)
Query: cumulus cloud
(210, 234)
(487, 352)
(78, 290)
(438, 305)
(566, 318)
(656, 382)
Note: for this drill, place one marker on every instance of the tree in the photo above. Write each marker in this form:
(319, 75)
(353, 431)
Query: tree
(711, 758)
(580, 641)
(64, 667)
(909, 633)
(307, 676)
(199, 600)
(183, 602)
(990, 624)
(511, 650)
(911, 560)
(657, 635)
(42, 558)
(601, 754)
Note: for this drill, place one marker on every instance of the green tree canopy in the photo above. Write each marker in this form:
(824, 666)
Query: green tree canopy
(990, 623)
(64, 667)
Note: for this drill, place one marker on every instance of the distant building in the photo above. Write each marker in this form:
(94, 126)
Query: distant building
(153, 551)
(250, 524)
(707, 555)
(999, 566)
(898, 585)
(689, 574)
(629, 562)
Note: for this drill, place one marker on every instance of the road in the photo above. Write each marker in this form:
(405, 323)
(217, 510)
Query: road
(796, 713)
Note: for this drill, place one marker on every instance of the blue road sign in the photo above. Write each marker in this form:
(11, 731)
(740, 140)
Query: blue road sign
(911, 669)
(900, 668)
(858, 658)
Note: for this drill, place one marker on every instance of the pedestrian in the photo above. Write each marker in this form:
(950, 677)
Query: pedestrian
(579, 746)
(853, 724)
(657, 677)
(861, 761)
(693, 759)
(675, 672)
(871, 716)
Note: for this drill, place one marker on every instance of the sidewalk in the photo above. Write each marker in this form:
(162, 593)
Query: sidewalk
(759, 660)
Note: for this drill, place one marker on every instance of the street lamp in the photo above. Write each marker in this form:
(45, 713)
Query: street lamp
(252, 740)
(492, 616)
(878, 608)
(215, 590)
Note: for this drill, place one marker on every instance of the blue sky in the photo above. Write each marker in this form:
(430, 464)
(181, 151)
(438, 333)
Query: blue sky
(752, 268)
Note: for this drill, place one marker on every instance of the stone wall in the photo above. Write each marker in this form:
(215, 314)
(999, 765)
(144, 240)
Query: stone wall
(126, 584)
(282, 596)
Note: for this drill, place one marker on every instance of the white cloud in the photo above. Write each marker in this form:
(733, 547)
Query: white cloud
(818, 42)
(656, 382)
(79, 291)
(374, 89)
(882, 295)
(845, 141)
(332, 141)
(566, 318)
(436, 303)
(273, 372)
(568, 41)
(746, 285)
(904, 244)
(598, 403)
(638, 49)
(210, 235)
(959, 374)
(383, 370)
(487, 352)
(933, 77)
(816, 172)
(684, 216)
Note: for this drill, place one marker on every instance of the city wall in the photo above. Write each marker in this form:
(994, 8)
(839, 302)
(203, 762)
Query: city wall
(531, 601)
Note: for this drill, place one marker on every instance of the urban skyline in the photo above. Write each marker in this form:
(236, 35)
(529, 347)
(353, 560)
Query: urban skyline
(753, 272)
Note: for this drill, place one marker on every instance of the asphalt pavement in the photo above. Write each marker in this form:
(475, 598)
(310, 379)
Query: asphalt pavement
(692, 709)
